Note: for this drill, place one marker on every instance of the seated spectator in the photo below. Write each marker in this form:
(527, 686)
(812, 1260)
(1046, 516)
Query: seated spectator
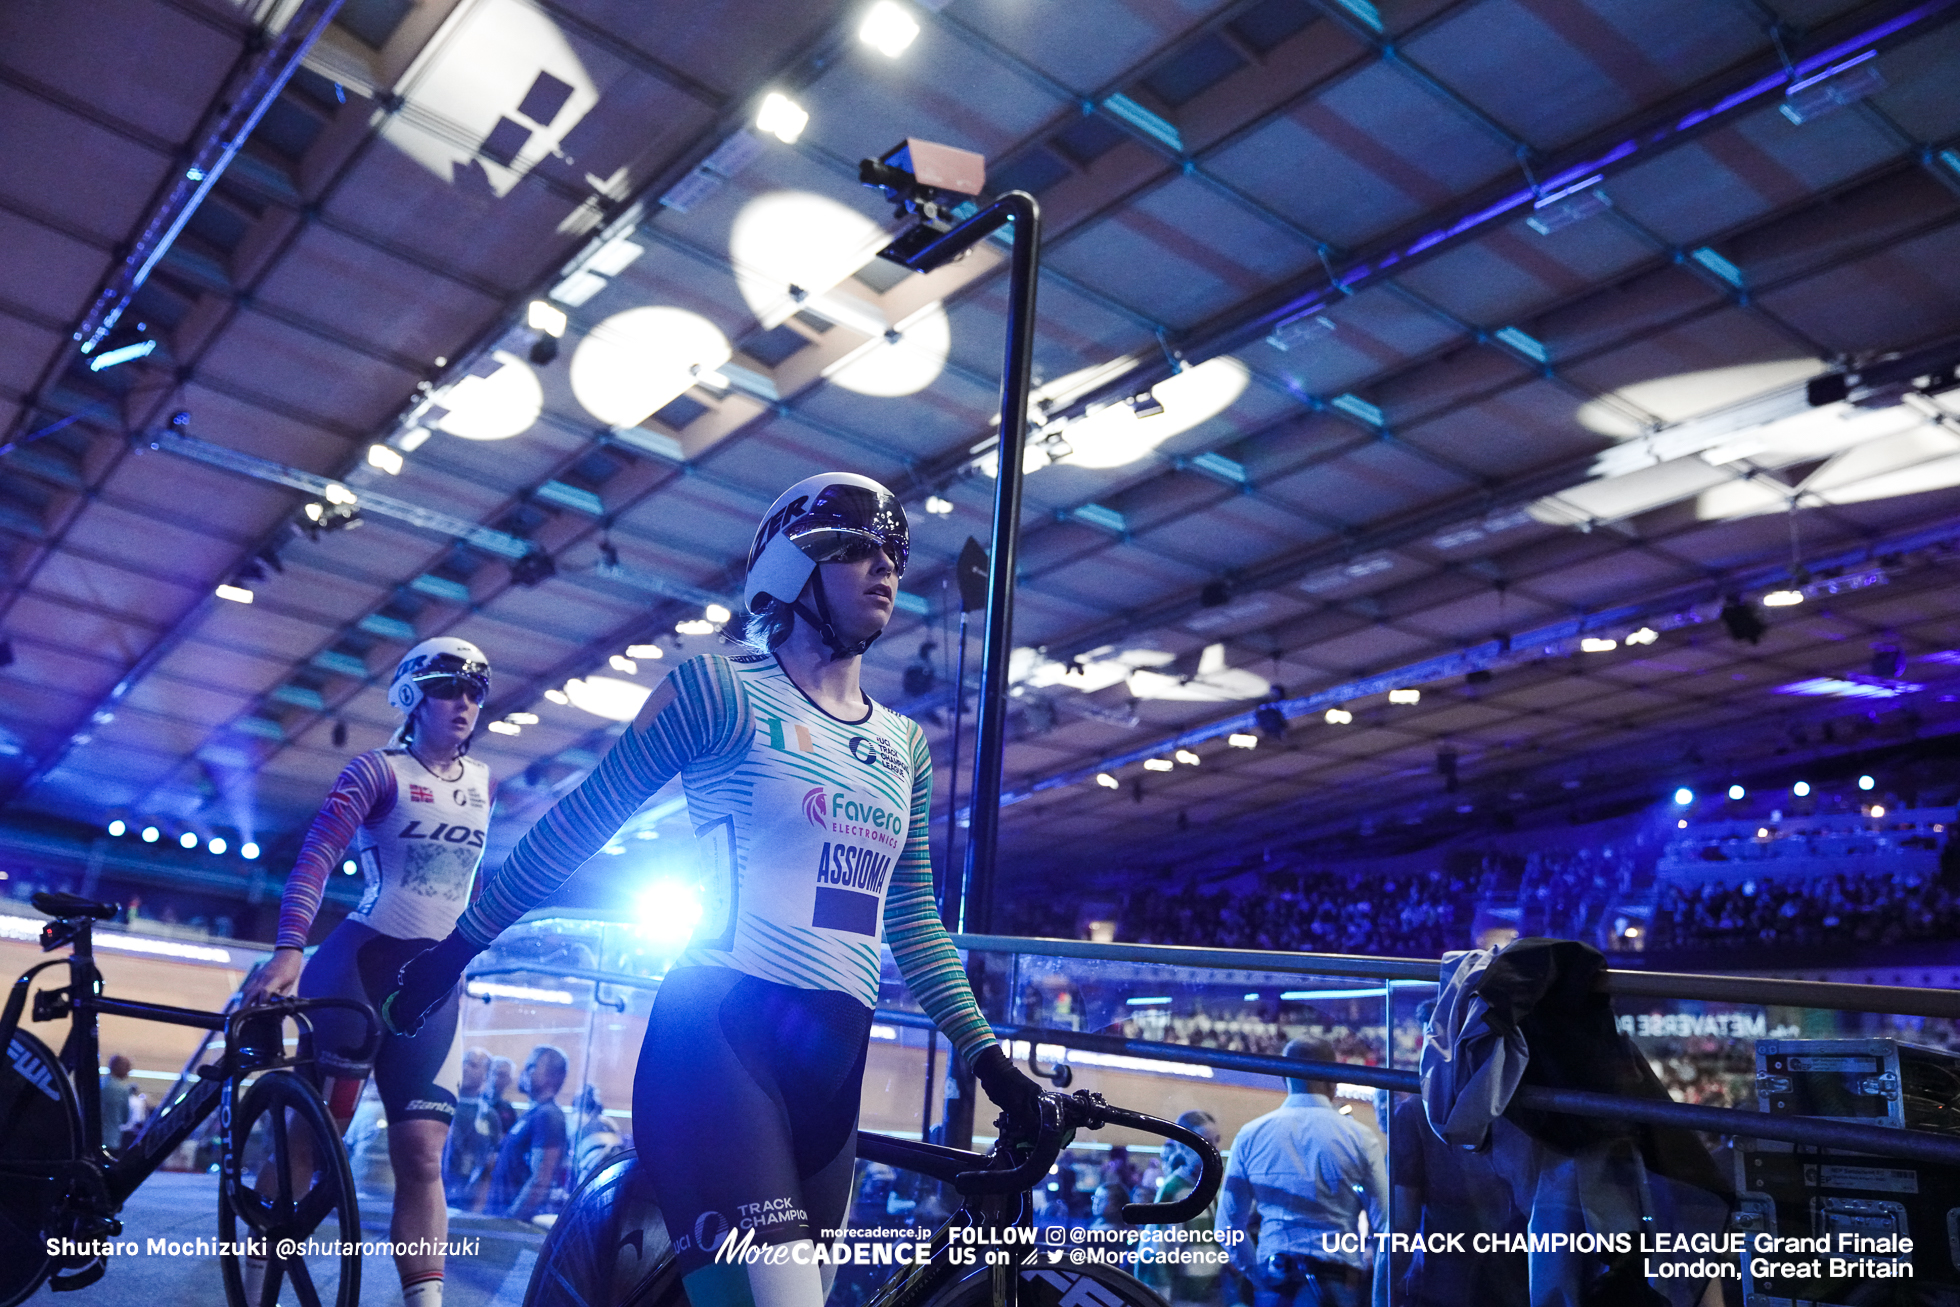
(532, 1155)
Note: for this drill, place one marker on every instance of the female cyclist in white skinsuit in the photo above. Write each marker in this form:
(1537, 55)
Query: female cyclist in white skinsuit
(810, 803)
(416, 813)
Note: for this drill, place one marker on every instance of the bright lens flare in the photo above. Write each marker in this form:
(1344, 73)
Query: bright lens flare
(667, 911)
(888, 29)
(782, 117)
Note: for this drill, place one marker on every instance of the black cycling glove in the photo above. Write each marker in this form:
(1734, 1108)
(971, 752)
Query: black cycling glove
(425, 982)
(1011, 1089)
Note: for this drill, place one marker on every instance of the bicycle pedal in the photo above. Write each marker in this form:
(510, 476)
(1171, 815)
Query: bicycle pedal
(98, 1227)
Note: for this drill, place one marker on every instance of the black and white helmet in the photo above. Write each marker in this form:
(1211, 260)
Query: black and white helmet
(830, 518)
(837, 517)
(445, 660)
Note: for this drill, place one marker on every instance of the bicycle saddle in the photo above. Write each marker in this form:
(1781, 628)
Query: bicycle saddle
(57, 904)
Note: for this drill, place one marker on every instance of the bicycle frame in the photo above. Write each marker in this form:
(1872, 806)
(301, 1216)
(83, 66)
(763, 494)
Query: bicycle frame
(216, 1088)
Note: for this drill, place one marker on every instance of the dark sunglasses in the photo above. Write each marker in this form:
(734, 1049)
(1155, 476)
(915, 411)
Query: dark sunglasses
(473, 688)
(850, 547)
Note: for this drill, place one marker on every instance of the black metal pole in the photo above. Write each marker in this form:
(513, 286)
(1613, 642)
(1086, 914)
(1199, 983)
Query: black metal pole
(983, 829)
(952, 887)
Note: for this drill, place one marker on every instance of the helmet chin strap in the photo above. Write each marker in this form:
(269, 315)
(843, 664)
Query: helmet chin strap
(827, 632)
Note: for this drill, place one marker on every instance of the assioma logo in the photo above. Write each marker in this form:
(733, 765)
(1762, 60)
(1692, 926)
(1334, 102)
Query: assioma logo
(813, 808)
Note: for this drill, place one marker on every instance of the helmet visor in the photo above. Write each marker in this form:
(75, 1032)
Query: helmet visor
(450, 677)
(849, 523)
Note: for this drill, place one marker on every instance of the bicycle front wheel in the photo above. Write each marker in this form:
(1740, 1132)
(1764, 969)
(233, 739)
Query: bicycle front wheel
(293, 1188)
(40, 1123)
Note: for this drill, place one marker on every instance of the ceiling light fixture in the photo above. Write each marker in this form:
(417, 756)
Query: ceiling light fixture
(1240, 740)
(187, 840)
(238, 594)
(607, 697)
(217, 844)
(694, 626)
(249, 851)
(1405, 696)
(151, 835)
(1107, 781)
(117, 827)
(548, 318)
(1683, 797)
(888, 29)
(522, 718)
(505, 728)
(781, 117)
(1878, 810)
(717, 614)
(1338, 717)
(1782, 598)
(623, 664)
(1645, 635)
(643, 651)
(938, 507)
(1158, 764)
(1866, 783)
(388, 459)
(1188, 758)
(557, 696)
(1736, 791)
(1594, 644)
(1801, 789)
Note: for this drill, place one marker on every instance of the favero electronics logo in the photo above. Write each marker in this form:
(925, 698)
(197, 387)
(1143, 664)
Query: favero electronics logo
(813, 808)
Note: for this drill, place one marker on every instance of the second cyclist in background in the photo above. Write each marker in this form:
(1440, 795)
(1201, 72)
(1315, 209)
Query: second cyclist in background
(414, 815)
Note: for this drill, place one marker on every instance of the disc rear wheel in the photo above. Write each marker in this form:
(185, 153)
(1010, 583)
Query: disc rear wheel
(39, 1122)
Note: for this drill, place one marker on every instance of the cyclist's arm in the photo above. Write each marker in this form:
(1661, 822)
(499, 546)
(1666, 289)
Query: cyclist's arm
(918, 939)
(364, 792)
(698, 711)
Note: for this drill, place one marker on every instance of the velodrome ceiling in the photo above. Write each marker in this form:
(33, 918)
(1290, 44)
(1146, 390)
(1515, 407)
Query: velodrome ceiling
(1479, 329)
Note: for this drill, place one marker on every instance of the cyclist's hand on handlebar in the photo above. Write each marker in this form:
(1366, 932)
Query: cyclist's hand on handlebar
(426, 981)
(1012, 1091)
(277, 979)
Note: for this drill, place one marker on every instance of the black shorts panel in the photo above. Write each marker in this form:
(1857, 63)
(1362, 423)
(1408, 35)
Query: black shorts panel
(745, 1108)
(357, 961)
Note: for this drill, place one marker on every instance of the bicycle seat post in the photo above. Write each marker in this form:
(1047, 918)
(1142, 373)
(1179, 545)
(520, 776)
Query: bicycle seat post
(82, 1052)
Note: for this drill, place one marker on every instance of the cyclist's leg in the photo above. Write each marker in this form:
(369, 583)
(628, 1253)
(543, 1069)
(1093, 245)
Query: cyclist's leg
(725, 1057)
(825, 1130)
(419, 1112)
(332, 972)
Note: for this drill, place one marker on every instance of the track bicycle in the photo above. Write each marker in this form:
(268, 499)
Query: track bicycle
(57, 1183)
(610, 1249)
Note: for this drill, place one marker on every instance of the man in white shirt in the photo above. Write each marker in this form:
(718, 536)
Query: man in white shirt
(1305, 1172)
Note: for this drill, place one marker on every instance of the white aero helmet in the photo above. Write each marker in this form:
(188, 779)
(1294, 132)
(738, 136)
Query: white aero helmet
(835, 517)
(440, 668)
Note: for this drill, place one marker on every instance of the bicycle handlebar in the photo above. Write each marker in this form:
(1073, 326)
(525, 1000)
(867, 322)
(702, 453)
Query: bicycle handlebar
(280, 1009)
(1062, 1113)
(1211, 1171)
(1047, 1148)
